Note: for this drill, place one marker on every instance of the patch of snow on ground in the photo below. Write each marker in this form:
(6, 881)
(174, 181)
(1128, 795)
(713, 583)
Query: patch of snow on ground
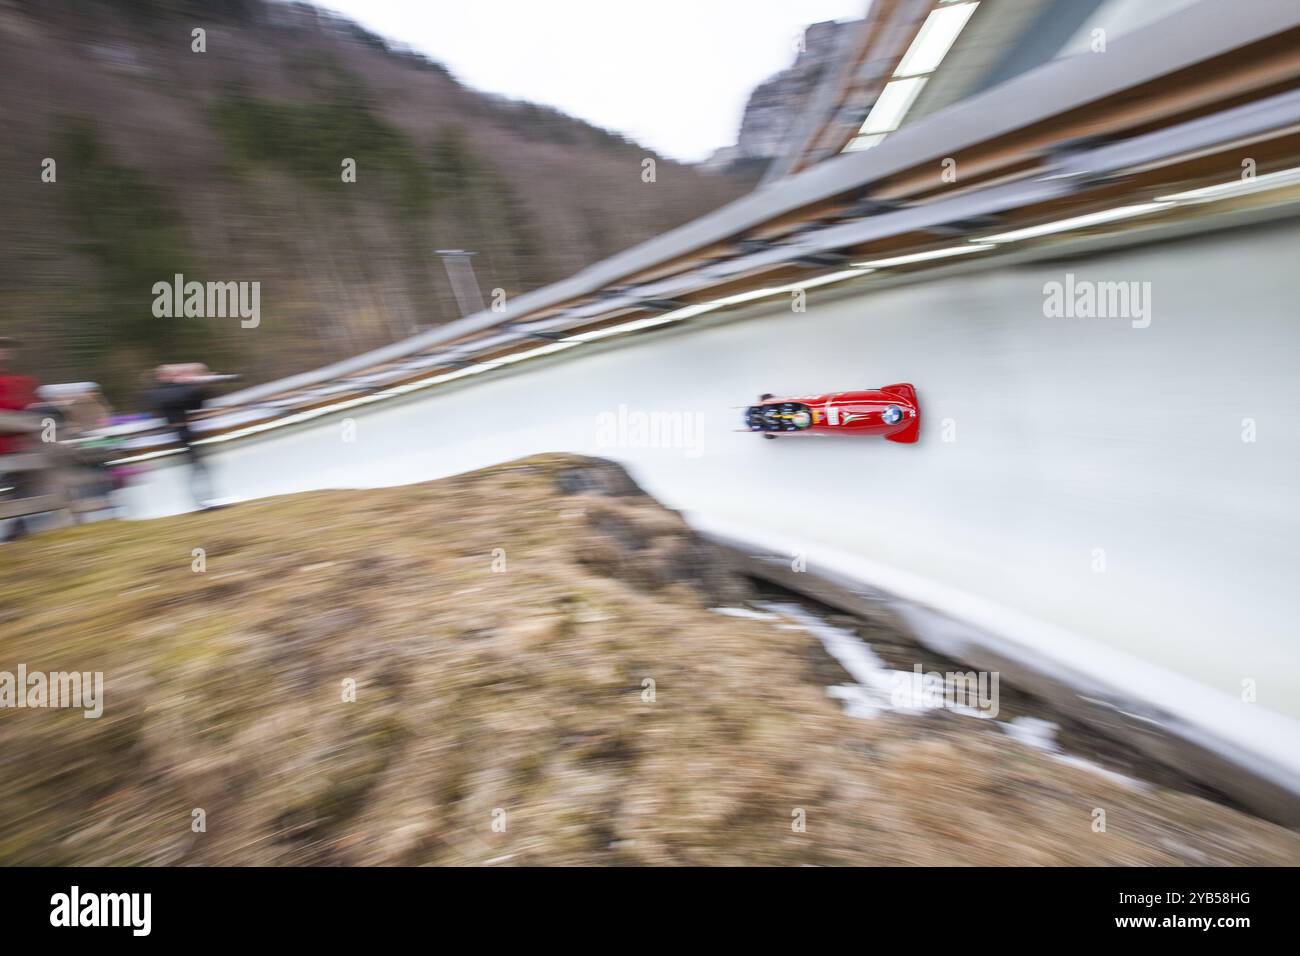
(878, 687)
(1041, 735)
(874, 680)
(743, 612)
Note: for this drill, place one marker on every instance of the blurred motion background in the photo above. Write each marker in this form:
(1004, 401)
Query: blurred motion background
(223, 165)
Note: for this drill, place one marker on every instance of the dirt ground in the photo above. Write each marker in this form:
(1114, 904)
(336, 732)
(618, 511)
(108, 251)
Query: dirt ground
(516, 666)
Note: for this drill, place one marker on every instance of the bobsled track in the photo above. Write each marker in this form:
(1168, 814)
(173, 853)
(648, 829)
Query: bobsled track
(1105, 509)
(1095, 504)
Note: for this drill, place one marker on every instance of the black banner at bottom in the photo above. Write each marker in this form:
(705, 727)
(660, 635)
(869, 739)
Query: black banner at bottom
(340, 905)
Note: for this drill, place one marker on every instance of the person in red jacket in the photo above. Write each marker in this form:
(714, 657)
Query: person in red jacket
(16, 393)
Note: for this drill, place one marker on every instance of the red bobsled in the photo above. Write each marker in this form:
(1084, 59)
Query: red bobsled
(891, 411)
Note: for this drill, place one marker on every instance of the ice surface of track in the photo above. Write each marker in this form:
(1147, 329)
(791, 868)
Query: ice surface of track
(1082, 481)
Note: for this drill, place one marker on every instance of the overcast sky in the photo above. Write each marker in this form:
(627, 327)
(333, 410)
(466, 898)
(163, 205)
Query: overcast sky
(671, 74)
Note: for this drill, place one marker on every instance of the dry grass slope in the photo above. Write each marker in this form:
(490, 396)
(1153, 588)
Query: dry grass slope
(480, 692)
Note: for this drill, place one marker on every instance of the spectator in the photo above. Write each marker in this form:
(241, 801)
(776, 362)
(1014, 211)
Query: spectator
(180, 391)
(80, 411)
(16, 393)
(80, 406)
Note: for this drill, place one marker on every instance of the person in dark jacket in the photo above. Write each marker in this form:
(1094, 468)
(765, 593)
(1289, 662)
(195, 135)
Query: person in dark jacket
(180, 391)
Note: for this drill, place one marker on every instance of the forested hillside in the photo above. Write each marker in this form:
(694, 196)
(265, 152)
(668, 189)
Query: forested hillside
(227, 165)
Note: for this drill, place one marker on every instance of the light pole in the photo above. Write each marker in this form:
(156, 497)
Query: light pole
(460, 272)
